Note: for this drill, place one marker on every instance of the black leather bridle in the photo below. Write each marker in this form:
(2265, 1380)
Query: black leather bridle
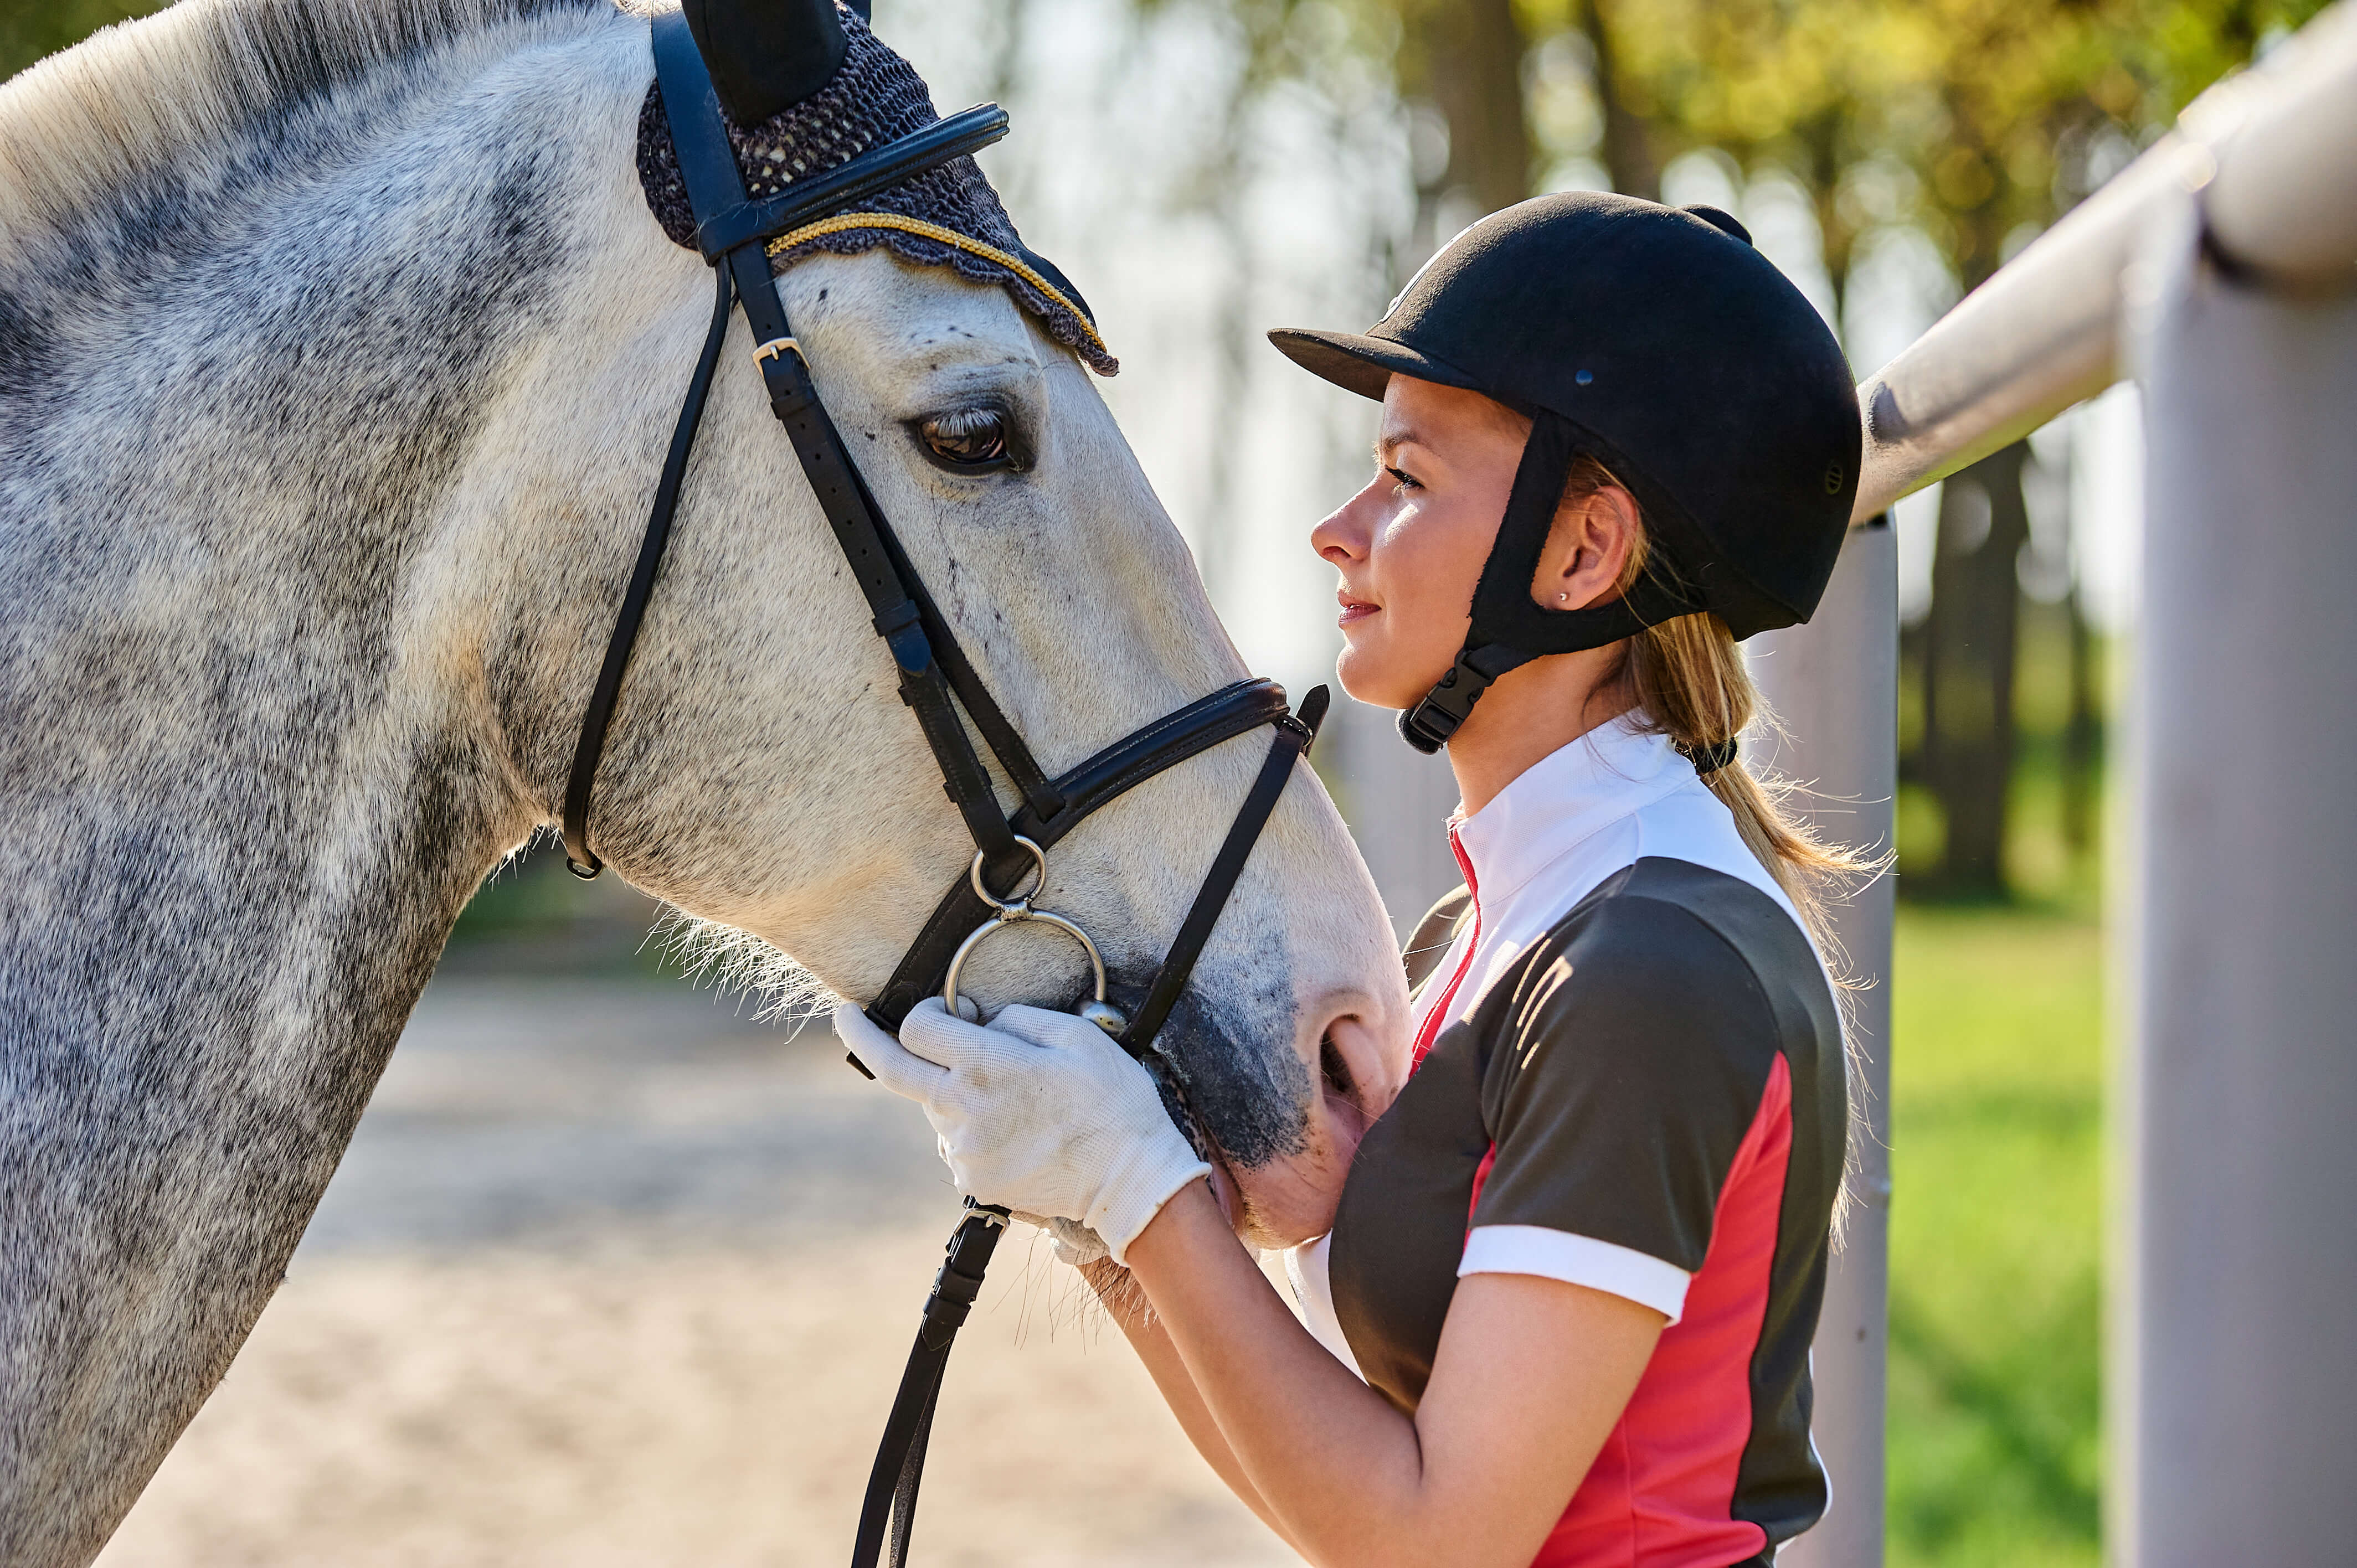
(936, 679)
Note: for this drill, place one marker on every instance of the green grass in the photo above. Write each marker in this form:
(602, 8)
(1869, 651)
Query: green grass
(1996, 1239)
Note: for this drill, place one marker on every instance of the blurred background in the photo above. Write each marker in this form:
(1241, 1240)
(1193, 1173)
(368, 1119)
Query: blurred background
(616, 1273)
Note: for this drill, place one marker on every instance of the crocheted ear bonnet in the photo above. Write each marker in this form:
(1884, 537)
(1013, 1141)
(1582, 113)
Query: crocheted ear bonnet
(947, 216)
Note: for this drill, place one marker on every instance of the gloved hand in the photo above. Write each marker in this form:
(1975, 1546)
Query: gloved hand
(1075, 1243)
(1040, 1112)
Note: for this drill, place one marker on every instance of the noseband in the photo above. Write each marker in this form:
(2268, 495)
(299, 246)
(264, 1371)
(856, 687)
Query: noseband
(936, 679)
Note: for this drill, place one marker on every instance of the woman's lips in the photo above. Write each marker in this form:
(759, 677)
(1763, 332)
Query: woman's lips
(1353, 610)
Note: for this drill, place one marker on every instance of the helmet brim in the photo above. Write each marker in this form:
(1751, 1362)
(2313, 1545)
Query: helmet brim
(1356, 362)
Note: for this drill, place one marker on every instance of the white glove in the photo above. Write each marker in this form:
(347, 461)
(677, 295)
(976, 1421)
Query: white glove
(1040, 1112)
(1075, 1243)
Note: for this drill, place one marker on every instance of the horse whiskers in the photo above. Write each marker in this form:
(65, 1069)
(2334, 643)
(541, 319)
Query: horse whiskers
(734, 960)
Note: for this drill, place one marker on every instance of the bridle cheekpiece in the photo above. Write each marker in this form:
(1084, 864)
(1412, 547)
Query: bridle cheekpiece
(737, 235)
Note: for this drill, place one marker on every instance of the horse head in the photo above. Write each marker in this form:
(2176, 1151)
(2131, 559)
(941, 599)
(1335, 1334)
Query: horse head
(959, 379)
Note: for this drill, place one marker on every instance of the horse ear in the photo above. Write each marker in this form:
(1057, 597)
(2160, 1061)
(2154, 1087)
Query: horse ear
(766, 56)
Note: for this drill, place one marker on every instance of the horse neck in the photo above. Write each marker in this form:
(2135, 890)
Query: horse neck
(248, 773)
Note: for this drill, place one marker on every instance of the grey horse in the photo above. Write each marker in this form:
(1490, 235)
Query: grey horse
(338, 355)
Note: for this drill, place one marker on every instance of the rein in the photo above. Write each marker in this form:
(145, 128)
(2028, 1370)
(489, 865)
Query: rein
(1010, 861)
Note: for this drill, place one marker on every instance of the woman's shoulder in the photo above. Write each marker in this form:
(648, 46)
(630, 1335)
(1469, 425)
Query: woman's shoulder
(1694, 825)
(1684, 961)
(1679, 917)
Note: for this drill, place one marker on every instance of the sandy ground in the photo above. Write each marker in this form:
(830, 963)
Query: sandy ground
(613, 1277)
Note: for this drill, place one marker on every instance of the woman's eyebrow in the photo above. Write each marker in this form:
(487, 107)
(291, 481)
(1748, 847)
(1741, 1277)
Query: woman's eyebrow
(1390, 441)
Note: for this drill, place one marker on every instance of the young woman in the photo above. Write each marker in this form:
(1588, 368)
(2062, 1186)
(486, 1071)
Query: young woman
(1564, 1313)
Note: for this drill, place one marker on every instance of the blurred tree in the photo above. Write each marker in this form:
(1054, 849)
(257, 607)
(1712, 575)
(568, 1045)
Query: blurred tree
(1966, 652)
(1625, 101)
(2009, 111)
(2003, 113)
(1274, 49)
(31, 28)
(1798, 85)
(1465, 58)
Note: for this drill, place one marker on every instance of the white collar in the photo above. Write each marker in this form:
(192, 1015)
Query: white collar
(1564, 798)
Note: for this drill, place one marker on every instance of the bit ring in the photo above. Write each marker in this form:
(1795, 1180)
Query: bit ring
(1011, 917)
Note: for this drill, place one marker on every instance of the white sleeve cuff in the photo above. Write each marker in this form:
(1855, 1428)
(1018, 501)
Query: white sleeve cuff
(1577, 1260)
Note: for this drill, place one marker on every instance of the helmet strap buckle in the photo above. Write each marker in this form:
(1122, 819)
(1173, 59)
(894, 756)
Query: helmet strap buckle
(1428, 726)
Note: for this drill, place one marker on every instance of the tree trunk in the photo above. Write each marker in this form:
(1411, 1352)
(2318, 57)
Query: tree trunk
(1968, 650)
(1825, 143)
(1628, 149)
(1465, 57)
(2081, 735)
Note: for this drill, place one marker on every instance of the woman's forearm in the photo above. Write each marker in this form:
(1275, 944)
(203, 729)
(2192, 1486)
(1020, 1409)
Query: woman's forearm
(1124, 1299)
(1338, 1471)
(1530, 1377)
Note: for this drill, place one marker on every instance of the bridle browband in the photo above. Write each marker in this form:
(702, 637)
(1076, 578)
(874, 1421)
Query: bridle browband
(1009, 867)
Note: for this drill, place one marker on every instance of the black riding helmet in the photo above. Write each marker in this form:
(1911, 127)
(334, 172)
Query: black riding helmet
(1659, 342)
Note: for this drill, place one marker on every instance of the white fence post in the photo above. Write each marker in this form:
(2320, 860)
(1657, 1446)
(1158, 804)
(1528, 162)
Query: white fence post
(2235, 1436)
(1835, 683)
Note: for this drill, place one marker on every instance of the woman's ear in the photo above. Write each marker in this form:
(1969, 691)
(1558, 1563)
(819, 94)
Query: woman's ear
(1587, 550)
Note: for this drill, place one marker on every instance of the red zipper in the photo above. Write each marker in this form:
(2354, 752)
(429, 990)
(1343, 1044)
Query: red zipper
(1431, 1027)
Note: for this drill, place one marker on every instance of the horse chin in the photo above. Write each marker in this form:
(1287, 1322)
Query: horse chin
(1283, 1203)
(1280, 1141)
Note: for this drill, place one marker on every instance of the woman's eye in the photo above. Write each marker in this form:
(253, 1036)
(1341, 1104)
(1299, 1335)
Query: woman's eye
(1403, 481)
(971, 440)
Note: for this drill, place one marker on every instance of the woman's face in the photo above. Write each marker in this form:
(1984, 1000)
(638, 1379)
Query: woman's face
(1410, 546)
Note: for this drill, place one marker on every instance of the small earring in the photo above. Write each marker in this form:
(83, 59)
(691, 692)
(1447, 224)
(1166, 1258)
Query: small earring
(1560, 597)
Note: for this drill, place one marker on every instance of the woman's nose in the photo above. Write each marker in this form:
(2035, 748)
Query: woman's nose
(1348, 529)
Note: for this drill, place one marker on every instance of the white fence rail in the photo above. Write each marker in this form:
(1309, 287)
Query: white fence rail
(2272, 154)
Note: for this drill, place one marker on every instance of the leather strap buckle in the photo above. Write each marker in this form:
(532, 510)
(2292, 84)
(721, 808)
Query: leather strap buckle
(776, 345)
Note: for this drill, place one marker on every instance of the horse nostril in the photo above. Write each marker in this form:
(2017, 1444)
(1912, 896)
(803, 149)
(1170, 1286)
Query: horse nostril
(1355, 1065)
(1336, 1071)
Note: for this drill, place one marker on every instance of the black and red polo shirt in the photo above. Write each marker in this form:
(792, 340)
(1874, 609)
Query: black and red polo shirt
(1630, 1077)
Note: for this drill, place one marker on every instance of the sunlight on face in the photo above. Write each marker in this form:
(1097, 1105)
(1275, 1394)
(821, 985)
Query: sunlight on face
(1411, 544)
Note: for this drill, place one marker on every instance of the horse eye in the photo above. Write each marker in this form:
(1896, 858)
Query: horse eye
(968, 441)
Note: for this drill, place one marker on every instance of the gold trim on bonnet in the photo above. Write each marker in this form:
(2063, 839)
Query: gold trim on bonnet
(843, 223)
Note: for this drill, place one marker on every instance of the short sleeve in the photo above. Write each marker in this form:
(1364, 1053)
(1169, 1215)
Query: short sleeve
(1618, 1093)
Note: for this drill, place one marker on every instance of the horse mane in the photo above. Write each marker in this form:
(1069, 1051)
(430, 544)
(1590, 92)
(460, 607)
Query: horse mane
(163, 90)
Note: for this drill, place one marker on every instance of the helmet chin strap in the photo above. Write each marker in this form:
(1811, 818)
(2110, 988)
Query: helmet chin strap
(1509, 629)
